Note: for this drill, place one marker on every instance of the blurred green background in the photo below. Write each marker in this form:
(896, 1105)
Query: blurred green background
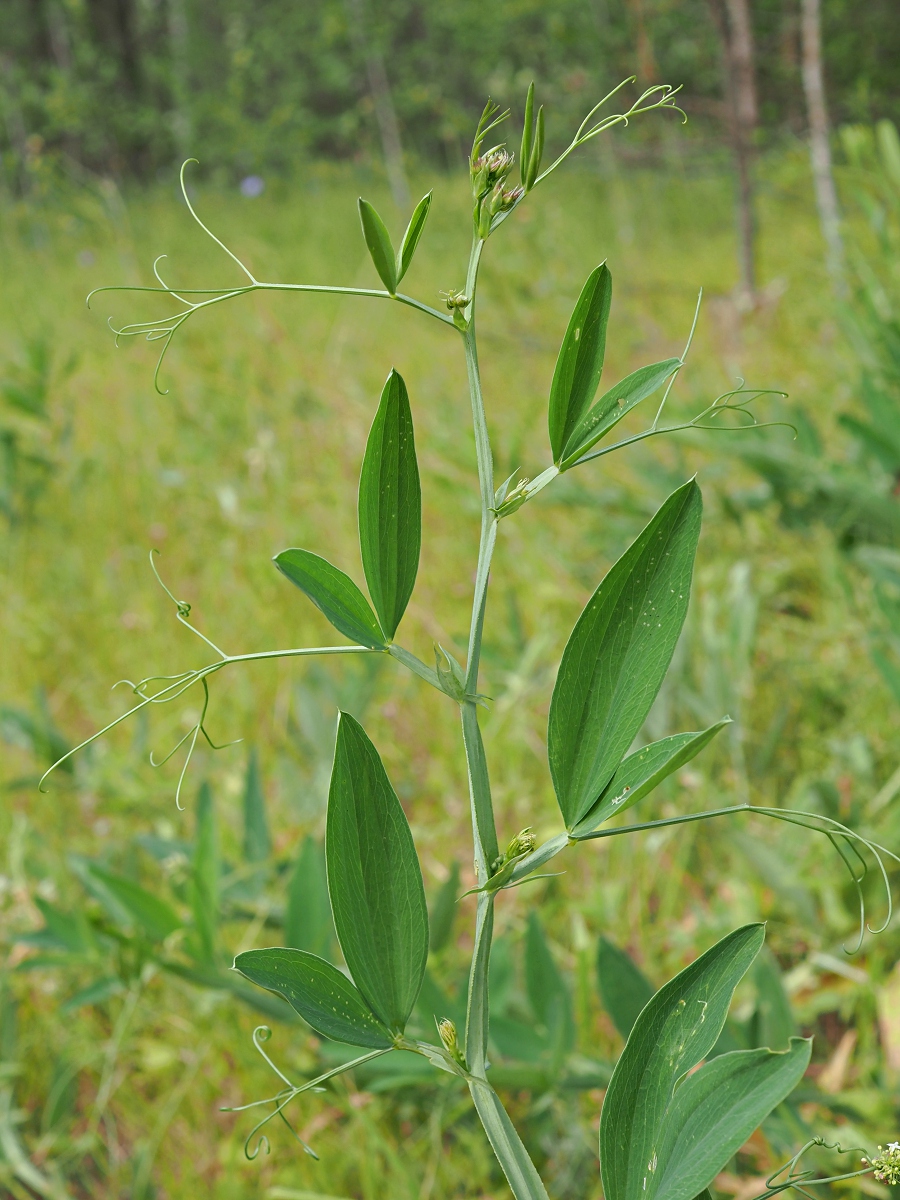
(122, 1034)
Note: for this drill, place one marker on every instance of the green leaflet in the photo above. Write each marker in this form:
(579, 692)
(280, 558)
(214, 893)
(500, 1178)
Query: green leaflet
(412, 235)
(374, 879)
(152, 916)
(205, 872)
(380, 246)
(623, 988)
(618, 654)
(715, 1111)
(257, 843)
(335, 594)
(613, 406)
(645, 770)
(323, 997)
(390, 507)
(308, 924)
(677, 1029)
(580, 361)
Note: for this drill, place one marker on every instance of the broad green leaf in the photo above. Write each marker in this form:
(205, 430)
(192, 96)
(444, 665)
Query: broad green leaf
(678, 1028)
(547, 991)
(443, 912)
(390, 507)
(205, 872)
(411, 237)
(580, 361)
(618, 654)
(645, 770)
(308, 924)
(374, 879)
(380, 246)
(624, 989)
(715, 1110)
(323, 997)
(613, 406)
(335, 594)
(153, 916)
(257, 843)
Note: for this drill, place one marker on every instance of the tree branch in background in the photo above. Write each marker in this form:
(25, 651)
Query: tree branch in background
(819, 148)
(385, 112)
(733, 24)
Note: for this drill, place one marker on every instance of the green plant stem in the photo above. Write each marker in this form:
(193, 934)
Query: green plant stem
(505, 1142)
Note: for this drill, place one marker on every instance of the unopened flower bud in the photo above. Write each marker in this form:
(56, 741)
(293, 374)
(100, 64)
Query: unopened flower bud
(450, 1040)
(523, 843)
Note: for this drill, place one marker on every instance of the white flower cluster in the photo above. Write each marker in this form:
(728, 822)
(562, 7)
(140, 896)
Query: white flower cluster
(886, 1163)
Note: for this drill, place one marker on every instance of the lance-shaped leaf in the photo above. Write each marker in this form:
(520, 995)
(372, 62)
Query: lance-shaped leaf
(675, 1031)
(148, 913)
(623, 987)
(335, 594)
(580, 361)
(380, 246)
(390, 507)
(645, 770)
(374, 879)
(715, 1111)
(618, 654)
(323, 997)
(411, 237)
(613, 406)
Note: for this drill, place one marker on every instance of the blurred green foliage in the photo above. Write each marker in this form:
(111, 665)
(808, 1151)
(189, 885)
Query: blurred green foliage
(126, 87)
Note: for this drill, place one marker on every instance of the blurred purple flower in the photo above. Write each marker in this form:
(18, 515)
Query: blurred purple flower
(253, 186)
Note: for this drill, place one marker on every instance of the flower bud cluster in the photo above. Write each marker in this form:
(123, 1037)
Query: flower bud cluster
(492, 197)
(886, 1164)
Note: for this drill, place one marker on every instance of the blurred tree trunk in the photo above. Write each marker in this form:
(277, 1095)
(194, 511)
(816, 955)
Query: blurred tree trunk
(646, 60)
(732, 21)
(819, 148)
(179, 67)
(382, 100)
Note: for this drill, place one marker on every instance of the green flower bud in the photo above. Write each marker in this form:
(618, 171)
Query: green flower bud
(450, 1041)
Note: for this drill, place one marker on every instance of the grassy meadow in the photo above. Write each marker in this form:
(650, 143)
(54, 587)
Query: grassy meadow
(257, 445)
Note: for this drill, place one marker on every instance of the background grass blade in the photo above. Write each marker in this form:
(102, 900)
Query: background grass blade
(624, 988)
(334, 593)
(308, 924)
(580, 361)
(374, 879)
(257, 843)
(323, 997)
(390, 507)
(618, 654)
